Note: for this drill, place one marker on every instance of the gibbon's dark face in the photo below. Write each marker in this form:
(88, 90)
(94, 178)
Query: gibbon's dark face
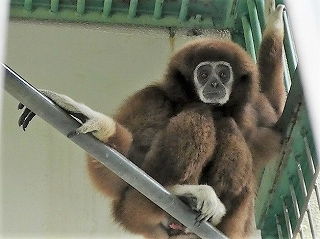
(212, 71)
(213, 81)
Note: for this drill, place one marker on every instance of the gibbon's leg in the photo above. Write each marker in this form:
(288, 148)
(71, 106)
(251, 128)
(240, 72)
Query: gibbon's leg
(230, 174)
(238, 222)
(106, 130)
(139, 215)
(180, 151)
(270, 57)
(176, 157)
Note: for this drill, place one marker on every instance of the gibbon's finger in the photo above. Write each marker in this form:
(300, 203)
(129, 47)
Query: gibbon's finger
(83, 118)
(73, 133)
(23, 116)
(199, 218)
(20, 106)
(27, 120)
(201, 207)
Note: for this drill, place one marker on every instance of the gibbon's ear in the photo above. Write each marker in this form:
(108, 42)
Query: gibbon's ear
(244, 90)
(245, 78)
(178, 86)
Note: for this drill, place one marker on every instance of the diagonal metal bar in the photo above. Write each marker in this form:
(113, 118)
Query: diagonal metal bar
(125, 169)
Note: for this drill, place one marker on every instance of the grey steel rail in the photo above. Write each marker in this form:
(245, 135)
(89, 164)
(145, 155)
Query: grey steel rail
(125, 169)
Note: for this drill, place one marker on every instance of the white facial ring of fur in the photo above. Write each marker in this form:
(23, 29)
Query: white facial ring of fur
(200, 87)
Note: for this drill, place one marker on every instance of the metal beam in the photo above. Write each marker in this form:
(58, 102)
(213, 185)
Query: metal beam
(124, 168)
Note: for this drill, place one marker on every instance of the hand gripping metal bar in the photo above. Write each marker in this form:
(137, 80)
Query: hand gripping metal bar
(125, 169)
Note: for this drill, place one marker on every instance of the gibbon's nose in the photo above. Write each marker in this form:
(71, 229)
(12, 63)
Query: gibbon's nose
(214, 84)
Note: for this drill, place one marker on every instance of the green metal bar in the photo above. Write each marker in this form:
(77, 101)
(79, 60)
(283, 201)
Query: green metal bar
(279, 229)
(54, 6)
(81, 6)
(238, 38)
(260, 9)
(107, 8)
(133, 8)
(286, 124)
(28, 5)
(68, 15)
(286, 73)
(287, 218)
(158, 9)
(248, 37)
(306, 200)
(289, 46)
(255, 24)
(184, 10)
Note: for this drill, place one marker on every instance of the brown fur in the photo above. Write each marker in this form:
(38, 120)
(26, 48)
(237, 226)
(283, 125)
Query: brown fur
(179, 140)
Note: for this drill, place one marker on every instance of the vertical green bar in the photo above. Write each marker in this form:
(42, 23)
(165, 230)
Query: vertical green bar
(107, 8)
(286, 72)
(260, 9)
(255, 24)
(184, 10)
(289, 46)
(133, 8)
(158, 9)
(54, 6)
(248, 37)
(81, 6)
(27, 5)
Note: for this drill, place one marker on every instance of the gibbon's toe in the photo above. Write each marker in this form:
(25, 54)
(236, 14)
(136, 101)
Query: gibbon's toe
(269, 6)
(102, 127)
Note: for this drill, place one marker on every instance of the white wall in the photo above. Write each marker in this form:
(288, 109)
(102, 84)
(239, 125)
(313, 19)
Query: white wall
(4, 13)
(46, 192)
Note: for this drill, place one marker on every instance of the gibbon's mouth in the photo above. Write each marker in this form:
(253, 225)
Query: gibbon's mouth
(174, 228)
(215, 98)
(215, 95)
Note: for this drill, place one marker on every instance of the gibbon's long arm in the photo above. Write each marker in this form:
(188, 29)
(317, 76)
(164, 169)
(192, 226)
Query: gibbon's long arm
(64, 123)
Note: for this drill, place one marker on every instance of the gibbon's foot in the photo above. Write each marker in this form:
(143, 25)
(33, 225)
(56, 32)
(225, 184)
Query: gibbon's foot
(100, 125)
(174, 227)
(273, 16)
(202, 199)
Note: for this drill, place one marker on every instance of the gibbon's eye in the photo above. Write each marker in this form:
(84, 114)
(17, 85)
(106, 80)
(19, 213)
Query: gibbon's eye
(223, 72)
(204, 73)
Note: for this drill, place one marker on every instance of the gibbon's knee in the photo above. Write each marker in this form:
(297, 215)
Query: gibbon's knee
(139, 215)
(121, 140)
(181, 150)
(230, 169)
(238, 223)
(104, 179)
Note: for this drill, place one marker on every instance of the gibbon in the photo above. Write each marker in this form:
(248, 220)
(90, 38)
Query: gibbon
(203, 132)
